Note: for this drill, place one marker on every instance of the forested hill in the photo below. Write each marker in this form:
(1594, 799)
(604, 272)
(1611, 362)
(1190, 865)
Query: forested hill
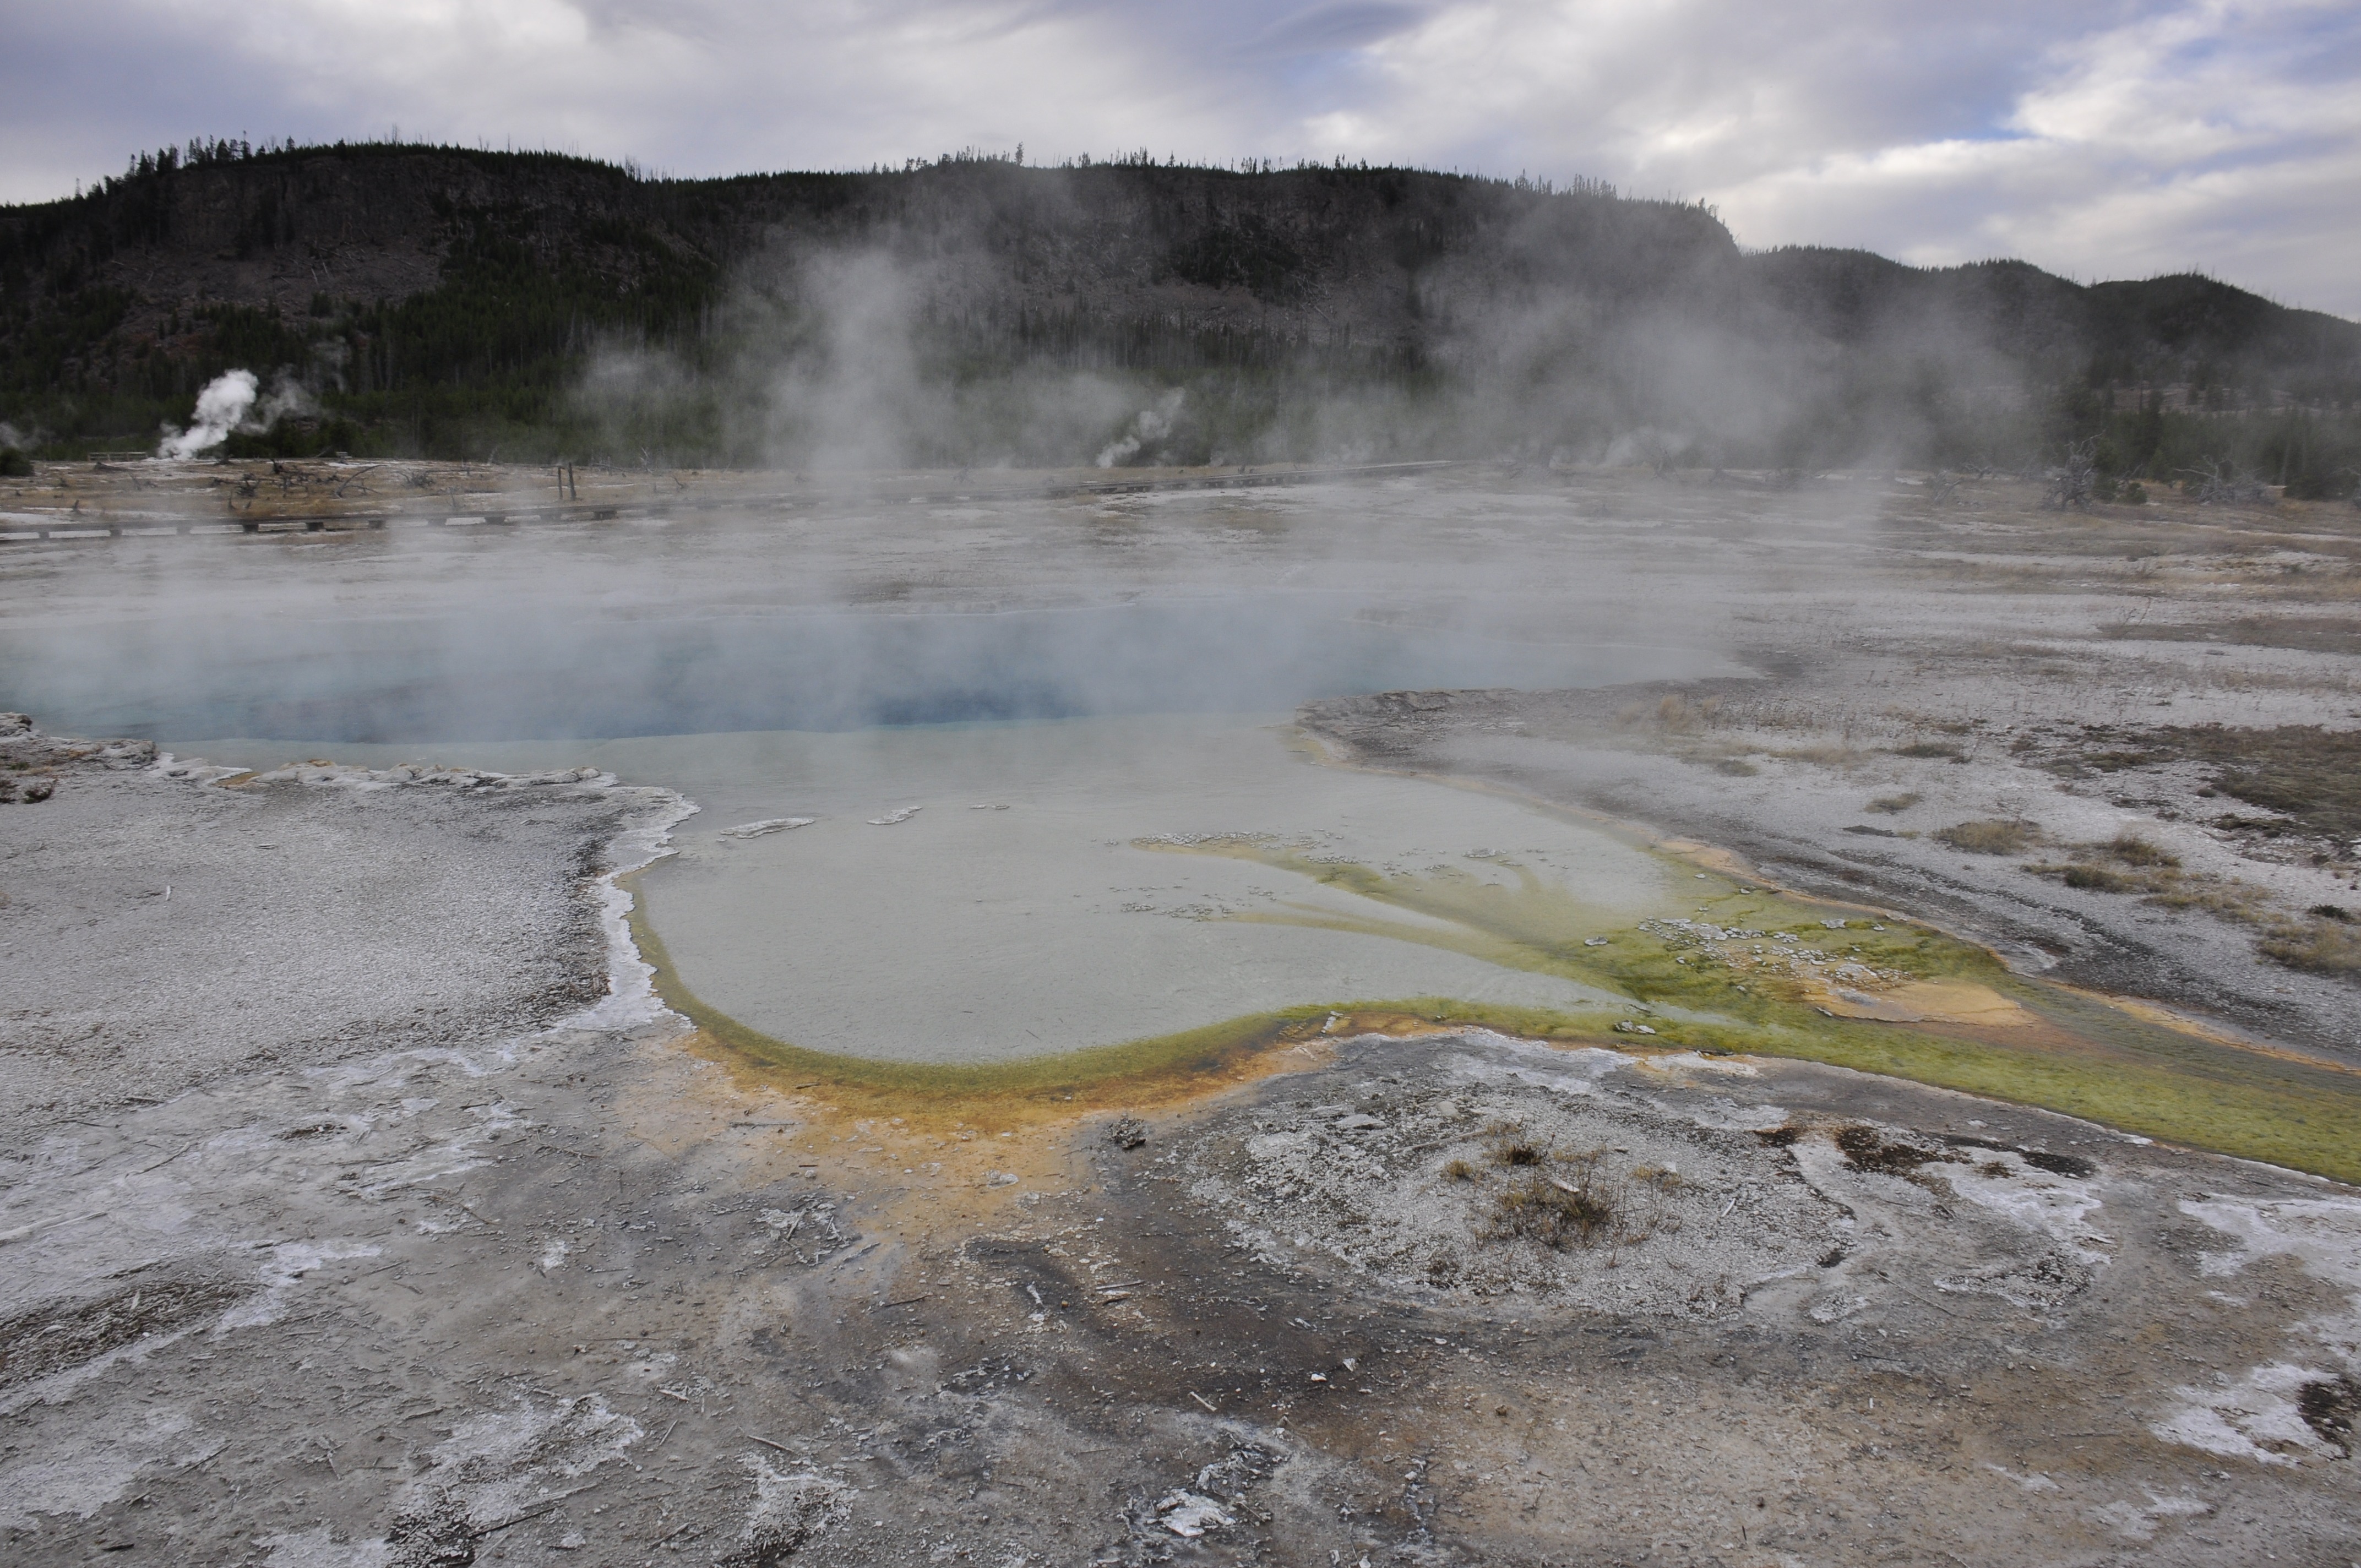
(448, 300)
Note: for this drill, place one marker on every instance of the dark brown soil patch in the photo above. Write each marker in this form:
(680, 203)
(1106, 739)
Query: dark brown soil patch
(1865, 1150)
(2328, 1409)
(2309, 773)
(58, 1334)
(2313, 634)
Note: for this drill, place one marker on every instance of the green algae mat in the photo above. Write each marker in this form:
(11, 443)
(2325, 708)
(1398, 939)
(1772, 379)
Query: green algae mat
(1751, 971)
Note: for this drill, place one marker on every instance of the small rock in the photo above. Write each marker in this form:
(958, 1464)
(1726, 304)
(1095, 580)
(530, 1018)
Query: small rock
(1187, 1514)
(767, 825)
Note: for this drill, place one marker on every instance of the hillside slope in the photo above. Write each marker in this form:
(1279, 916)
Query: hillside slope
(444, 299)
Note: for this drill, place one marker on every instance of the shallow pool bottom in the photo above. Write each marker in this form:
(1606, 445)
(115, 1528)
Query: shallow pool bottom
(993, 893)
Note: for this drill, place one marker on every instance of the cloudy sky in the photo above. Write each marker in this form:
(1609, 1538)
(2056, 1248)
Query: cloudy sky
(2100, 139)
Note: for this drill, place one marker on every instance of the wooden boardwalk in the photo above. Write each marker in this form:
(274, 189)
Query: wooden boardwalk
(22, 528)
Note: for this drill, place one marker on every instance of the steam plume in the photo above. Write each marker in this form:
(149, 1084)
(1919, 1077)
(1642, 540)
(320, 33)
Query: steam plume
(1153, 424)
(229, 403)
(222, 406)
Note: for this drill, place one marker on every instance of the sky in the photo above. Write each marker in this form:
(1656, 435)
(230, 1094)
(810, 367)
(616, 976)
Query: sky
(2100, 140)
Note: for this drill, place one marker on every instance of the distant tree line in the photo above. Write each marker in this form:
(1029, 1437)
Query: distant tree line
(973, 309)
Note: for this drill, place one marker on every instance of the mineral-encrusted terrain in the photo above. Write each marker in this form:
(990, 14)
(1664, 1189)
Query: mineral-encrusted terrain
(544, 1278)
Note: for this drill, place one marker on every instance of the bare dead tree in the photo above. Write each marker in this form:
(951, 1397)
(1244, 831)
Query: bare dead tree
(2215, 481)
(2074, 483)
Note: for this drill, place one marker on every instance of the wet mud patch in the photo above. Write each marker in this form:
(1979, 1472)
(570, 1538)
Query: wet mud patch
(2060, 1164)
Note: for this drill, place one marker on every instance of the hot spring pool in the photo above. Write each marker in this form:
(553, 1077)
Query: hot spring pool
(1031, 833)
(1051, 886)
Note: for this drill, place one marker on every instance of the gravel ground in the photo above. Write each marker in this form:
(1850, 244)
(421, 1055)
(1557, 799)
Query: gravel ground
(587, 1298)
(1463, 1178)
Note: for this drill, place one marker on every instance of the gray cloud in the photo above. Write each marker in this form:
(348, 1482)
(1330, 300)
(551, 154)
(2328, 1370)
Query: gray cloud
(1352, 24)
(2103, 139)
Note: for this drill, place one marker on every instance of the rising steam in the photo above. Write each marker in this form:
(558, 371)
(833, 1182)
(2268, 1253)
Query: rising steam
(229, 402)
(222, 406)
(1153, 424)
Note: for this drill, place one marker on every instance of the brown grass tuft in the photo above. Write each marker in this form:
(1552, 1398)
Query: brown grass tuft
(1559, 1212)
(1992, 836)
(2133, 850)
(2320, 945)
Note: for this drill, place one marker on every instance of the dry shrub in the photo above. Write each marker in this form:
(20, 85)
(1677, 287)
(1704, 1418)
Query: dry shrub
(1992, 836)
(2320, 946)
(1517, 1152)
(2131, 864)
(1892, 805)
(2133, 850)
(1556, 1212)
(1676, 712)
(1459, 1170)
(2215, 896)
